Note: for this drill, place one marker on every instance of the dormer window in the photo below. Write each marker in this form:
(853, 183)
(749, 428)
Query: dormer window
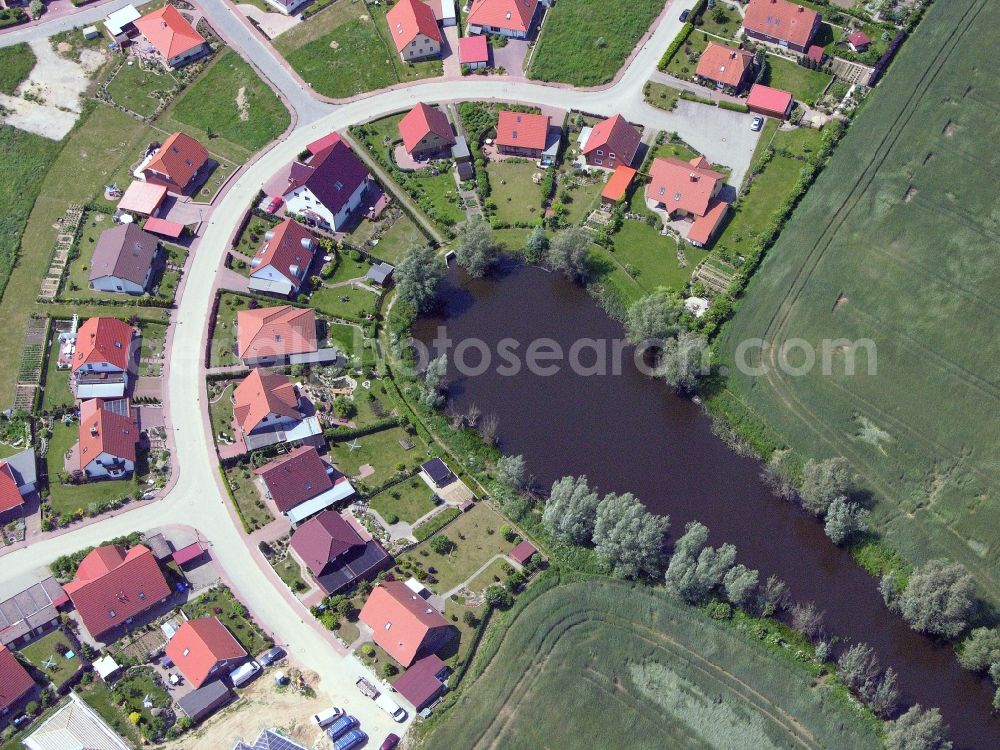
(187, 652)
(111, 614)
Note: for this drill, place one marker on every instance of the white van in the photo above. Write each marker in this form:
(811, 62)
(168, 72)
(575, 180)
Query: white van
(244, 674)
(326, 718)
(390, 706)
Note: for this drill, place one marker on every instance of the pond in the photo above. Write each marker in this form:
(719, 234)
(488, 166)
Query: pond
(628, 432)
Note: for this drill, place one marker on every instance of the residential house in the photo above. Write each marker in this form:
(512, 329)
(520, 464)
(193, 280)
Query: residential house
(688, 190)
(283, 260)
(171, 36)
(18, 476)
(16, 686)
(768, 101)
(511, 18)
(521, 134)
(403, 623)
(124, 260)
(268, 410)
(204, 649)
(335, 554)
(113, 586)
(301, 484)
(330, 188)
(473, 52)
(28, 612)
(102, 358)
(426, 132)
(424, 682)
(414, 30)
(175, 164)
(380, 274)
(269, 336)
(612, 143)
(781, 22)
(75, 726)
(108, 438)
(724, 67)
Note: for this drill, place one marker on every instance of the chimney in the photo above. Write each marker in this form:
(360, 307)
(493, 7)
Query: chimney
(694, 177)
(93, 429)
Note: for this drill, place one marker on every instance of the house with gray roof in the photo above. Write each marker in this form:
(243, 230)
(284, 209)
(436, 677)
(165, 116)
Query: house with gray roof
(123, 261)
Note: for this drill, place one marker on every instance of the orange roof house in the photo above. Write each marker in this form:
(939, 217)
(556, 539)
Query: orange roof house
(143, 198)
(688, 189)
(10, 495)
(618, 185)
(425, 130)
(102, 344)
(273, 334)
(724, 66)
(176, 163)
(107, 447)
(171, 35)
(781, 22)
(403, 623)
(16, 685)
(203, 649)
(112, 586)
(612, 143)
(414, 29)
(513, 18)
(261, 398)
(522, 134)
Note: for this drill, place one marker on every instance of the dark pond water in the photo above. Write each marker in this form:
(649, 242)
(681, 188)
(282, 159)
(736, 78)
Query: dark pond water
(629, 433)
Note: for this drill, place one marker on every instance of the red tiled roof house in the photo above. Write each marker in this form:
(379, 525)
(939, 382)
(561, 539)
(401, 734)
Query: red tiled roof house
(16, 686)
(102, 358)
(173, 38)
(175, 164)
(511, 18)
(267, 410)
(124, 260)
(423, 683)
(612, 143)
(521, 134)
(426, 131)
(768, 101)
(18, 476)
(403, 623)
(273, 335)
(781, 22)
(473, 52)
(414, 30)
(725, 68)
(108, 438)
(335, 554)
(113, 586)
(688, 190)
(330, 188)
(204, 649)
(301, 484)
(283, 260)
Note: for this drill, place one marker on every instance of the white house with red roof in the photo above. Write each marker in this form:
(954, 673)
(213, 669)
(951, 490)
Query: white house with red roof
(782, 23)
(414, 30)
(511, 18)
(267, 409)
(330, 188)
(403, 623)
(612, 143)
(282, 262)
(301, 484)
(204, 649)
(523, 134)
(102, 358)
(173, 39)
(108, 438)
(113, 585)
(724, 67)
(273, 335)
(688, 191)
(426, 131)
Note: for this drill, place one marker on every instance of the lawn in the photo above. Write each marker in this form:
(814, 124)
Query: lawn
(341, 51)
(401, 237)
(57, 390)
(580, 662)
(722, 21)
(229, 109)
(476, 538)
(348, 269)
(408, 500)
(585, 42)
(290, 572)
(806, 85)
(650, 258)
(380, 449)
(348, 302)
(98, 696)
(221, 603)
(496, 572)
(136, 87)
(136, 689)
(516, 196)
(52, 649)
(16, 63)
(660, 95)
(250, 504)
(875, 252)
(344, 336)
(222, 351)
(685, 60)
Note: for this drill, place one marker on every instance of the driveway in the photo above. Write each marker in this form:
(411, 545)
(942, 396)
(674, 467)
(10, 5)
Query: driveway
(449, 52)
(510, 57)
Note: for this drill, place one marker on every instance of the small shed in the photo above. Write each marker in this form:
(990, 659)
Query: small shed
(768, 101)
(380, 274)
(523, 552)
(164, 228)
(858, 41)
(106, 667)
(91, 32)
(816, 54)
(189, 554)
(618, 185)
(473, 52)
(463, 158)
(206, 700)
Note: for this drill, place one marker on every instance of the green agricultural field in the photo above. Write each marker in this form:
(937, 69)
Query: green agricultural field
(579, 664)
(135, 87)
(806, 85)
(16, 63)
(585, 42)
(897, 243)
(229, 109)
(341, 51)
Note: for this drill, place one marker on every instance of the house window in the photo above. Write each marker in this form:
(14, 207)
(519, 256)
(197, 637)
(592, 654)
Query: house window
(600, 153)
(599, 161)
(611, 155)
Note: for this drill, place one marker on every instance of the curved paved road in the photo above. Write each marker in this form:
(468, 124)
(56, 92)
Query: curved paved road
(198, 498)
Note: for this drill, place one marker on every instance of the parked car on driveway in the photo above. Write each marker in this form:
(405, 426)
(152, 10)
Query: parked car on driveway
(275, 204)
(757, 123)
(390, 741)
(350, 740)
(344, 724)
(271, 656)
(327, 717)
